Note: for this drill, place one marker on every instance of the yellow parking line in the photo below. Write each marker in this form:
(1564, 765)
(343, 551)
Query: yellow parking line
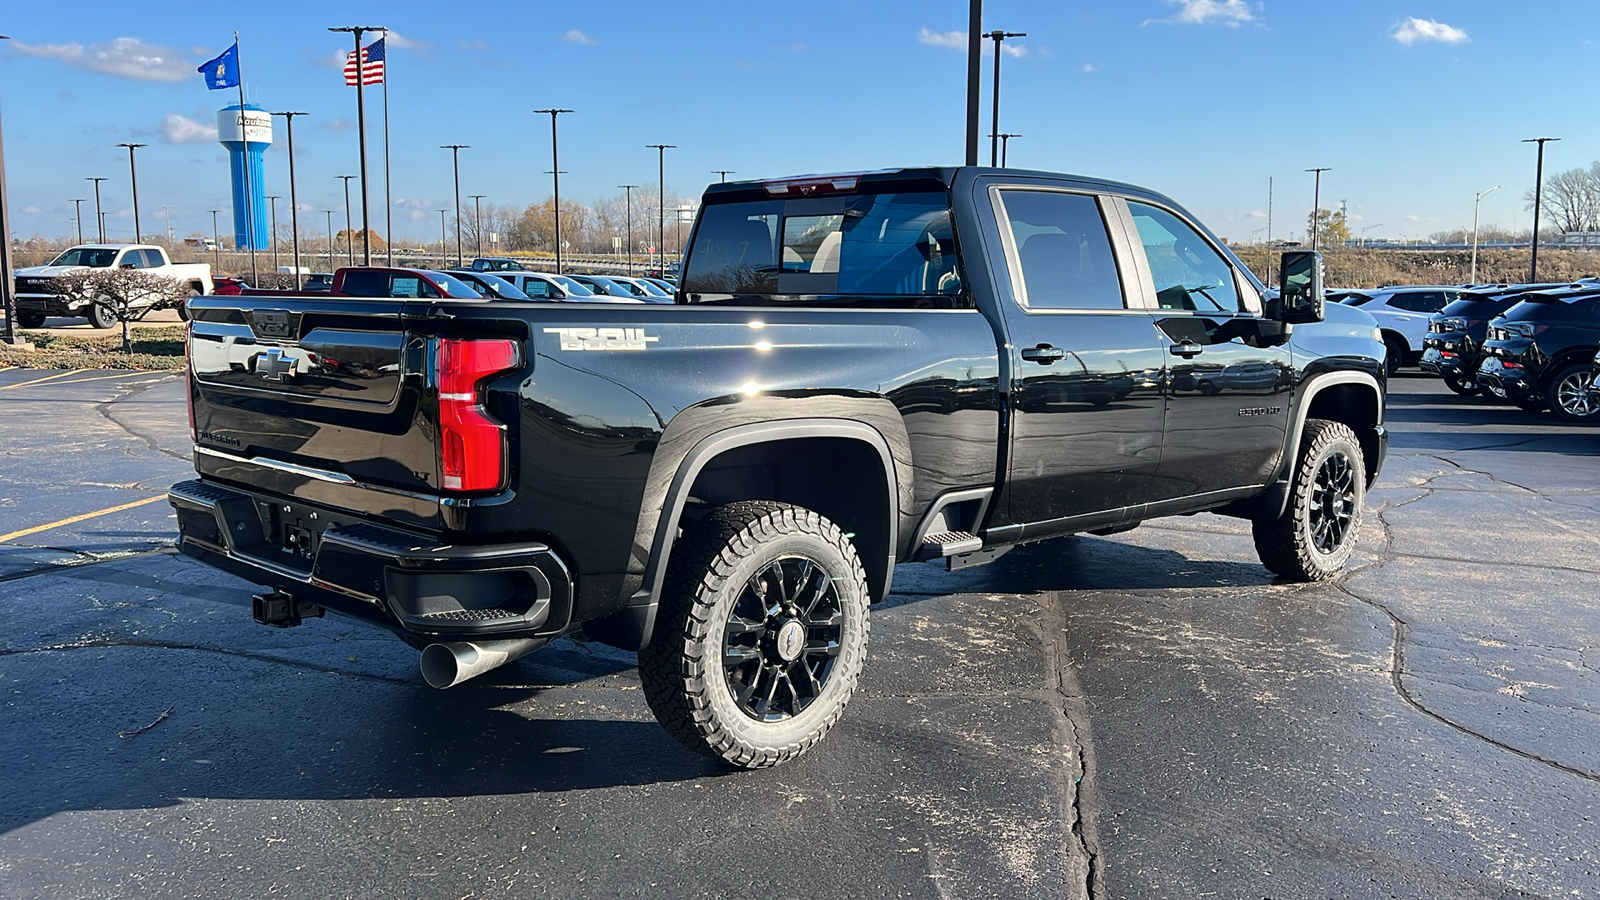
(122, 374)
(46, 378)
(108, 510)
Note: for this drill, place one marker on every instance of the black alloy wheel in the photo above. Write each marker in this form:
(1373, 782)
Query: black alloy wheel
(782, 639)
(1332, 508)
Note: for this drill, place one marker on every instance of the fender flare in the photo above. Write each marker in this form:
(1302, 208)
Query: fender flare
(1277, 499)
(635, 623)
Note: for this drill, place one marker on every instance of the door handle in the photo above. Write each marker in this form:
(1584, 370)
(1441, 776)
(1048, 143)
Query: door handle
(1186, 349)
(1044, 354)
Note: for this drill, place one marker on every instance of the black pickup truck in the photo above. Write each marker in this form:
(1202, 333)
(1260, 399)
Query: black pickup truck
(859, 370)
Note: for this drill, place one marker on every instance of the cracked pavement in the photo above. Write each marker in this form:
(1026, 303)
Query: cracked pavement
(1144, 715)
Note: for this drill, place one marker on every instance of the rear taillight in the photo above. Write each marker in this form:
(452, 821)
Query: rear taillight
(472, 446)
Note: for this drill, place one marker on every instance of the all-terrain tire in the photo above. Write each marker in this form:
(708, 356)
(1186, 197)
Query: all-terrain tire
(30, 319)
(1316, 535)
(709, 652)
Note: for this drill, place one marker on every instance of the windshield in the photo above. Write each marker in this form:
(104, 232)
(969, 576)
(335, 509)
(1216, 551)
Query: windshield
(871, 245)
(502, 288)
(1356, 300)
(650, 288)
(455, 287)
(93, 257)
(572, 287)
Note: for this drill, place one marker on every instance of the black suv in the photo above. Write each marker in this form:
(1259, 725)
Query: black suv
(1541, 353)
(1453, 346)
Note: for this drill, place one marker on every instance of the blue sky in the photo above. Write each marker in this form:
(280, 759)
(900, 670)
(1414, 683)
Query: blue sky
(1414, 104)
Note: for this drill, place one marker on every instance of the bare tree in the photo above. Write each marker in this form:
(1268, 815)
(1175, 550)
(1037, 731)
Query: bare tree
(1572, 199)
(128, 295)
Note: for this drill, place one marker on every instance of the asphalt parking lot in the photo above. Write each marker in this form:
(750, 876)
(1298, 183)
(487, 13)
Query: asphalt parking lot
(1146, 715)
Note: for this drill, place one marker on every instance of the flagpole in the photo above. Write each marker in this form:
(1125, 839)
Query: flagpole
(249, 191)
(361, 128)
(388, 206)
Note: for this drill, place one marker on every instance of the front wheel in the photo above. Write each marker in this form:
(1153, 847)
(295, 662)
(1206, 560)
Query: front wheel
(30, 319)
(1569, 394)
(761, 633)
(100, 316)
(1316, 535)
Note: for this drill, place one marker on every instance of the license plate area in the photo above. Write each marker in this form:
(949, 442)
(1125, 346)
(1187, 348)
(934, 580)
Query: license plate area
(293, 531)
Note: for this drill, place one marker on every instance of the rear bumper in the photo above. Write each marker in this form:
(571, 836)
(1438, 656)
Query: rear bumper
(1515, 381)
(1449, 356)
(405, 581)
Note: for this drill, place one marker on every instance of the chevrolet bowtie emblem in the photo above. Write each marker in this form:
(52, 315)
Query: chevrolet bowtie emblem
(274, 366)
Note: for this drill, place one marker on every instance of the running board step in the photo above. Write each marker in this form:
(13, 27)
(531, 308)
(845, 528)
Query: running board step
(949, 543)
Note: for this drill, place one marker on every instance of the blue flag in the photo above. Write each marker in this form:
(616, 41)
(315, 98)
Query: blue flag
(222, 72)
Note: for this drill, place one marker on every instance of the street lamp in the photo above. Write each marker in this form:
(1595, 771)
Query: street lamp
(724, 173)
(349, 233)
(1476, 200)
(216, 242)
(1364, 233)
(167, 212)
(1316, 207)
(361, 136)
(1005, 140)
(628, 203)
(555, 174)
(442, 236)
(477, 223)
(99, 217)
(661, 197)
(455, 162)
(133, 178)
(8, 299)
(998, 37)
(274, 220)
(77, 205)
(1538, 194)
(294, 202)
(330, 230)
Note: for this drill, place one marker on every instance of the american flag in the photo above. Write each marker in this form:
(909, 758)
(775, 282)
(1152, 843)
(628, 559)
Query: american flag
(371, 64)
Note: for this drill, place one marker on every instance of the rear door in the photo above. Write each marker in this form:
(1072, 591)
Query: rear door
(1086, 428)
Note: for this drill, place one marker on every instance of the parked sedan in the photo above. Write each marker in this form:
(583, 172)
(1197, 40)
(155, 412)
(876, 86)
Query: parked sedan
(604, 286)
(1541, 353)
(643, 288)
(492, 286)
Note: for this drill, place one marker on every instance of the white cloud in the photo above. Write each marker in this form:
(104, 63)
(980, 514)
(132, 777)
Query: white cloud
(396, 39)
(957, 40)
(797, 48)
(33, 210)
(577, 37)
(1411, 31)
(1232, 13)
(1090, 68)
(176, 129)
(123, 57)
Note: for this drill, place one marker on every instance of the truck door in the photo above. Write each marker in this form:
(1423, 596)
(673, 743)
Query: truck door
(1228, 378)
(1085, 368)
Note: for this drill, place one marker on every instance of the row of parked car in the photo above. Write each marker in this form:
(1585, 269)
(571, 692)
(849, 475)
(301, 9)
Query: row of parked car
(494, 279)
(1531, 345)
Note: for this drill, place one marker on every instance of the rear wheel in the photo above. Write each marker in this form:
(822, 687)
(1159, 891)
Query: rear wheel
(1316, 535)
(1528, 403)
(761, 634)
(1396, 353)
(30, 319)
(1568, 394)
(1461, 386)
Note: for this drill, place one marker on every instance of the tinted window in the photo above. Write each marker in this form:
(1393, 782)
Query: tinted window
(454, 288)
(1419, 301)
(502, 288)
(1188, 272)
(365, 283)
(132, 259)
(152, 259)
(1357, 300)
(572, 287)
(1063, 250)
(870, 245)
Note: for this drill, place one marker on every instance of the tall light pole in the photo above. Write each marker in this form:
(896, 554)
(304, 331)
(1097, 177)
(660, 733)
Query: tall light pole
(294, 202)
(628, 203)
(349, 235)
(1005, 140)
(361, 130)
(1316, 206)
(167, 212)
(99, 218)
(443, 236)
(555, 173)
(1476, 200)
(133, 178)
(77, 205)
(216, 242)
(724, 173)
(274, 220)
(974, 76)
(8, 297)
(1538, 195)
(455, 164)
(330, 236)
(998, 37)
(477, 223)
(661, 198)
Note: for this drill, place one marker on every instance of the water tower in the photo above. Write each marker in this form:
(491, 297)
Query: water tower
(247, 133)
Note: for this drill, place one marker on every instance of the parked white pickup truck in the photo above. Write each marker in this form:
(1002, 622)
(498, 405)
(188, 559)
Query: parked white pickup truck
(36, 301)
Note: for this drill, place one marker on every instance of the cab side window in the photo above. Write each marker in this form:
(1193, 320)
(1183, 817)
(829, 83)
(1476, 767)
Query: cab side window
(1063, 252)
(1420, 301)
(152, 259)
(1189, 274)
(537, 288)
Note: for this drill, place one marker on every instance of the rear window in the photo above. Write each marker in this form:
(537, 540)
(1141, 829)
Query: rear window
(1477, 307)
(864, 250)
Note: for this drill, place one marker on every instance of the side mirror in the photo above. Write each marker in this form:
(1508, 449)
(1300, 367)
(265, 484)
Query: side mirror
(557, 294)
(1301, 299)
(127, 266)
